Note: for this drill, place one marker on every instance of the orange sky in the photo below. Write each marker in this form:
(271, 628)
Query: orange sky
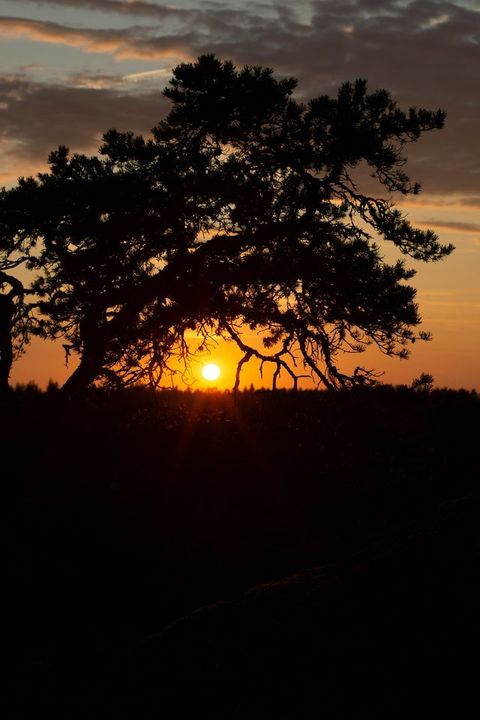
(72, 69)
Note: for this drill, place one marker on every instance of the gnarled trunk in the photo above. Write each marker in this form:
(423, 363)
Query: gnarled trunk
(92, 332)
(84, 375)
(6, 360)
(7, 312)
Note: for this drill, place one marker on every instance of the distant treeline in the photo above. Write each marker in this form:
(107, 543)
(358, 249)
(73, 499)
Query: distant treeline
(251, 483)
(142, 462)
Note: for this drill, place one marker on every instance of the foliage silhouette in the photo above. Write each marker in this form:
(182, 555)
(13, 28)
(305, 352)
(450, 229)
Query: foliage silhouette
(242, 215)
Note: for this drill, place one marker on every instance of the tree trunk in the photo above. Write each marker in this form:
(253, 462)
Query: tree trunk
(7, 309)
(84, 375)
(92, 333)
(91, 362)
(6, 360)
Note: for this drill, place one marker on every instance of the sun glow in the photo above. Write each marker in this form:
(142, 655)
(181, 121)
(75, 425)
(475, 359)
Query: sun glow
(211, 372)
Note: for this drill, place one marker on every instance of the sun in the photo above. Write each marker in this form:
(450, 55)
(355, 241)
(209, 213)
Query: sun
(211, 371)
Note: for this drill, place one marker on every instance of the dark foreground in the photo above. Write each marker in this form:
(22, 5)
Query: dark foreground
(331, 542)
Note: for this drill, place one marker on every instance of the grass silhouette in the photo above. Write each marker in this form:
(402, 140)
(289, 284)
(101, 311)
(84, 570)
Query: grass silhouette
(126, 512)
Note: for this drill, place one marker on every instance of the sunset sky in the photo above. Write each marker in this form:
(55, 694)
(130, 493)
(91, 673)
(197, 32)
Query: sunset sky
(71, 69)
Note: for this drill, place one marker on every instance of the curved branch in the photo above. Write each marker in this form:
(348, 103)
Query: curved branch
(275, 358)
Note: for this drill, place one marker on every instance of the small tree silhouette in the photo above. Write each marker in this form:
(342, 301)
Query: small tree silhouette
(242, 215)
(424, 383)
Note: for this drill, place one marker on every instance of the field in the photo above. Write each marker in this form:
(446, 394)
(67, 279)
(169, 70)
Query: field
(178, 554)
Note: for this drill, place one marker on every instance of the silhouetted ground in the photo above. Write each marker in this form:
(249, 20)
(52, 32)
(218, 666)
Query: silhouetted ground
(356, 513)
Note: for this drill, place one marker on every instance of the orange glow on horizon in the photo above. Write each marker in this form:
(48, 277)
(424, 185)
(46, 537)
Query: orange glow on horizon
(449, 301)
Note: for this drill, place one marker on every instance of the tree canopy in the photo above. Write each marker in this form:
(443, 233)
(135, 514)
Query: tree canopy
(243, 214)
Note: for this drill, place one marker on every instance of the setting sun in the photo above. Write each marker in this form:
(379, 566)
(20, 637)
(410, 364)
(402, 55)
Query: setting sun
(211, 372)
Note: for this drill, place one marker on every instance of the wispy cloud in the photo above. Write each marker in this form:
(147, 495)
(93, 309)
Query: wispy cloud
(122, 7)
(101, 81)
(131, 43)
(460, 202)
(450, 225)
(37, 117)
(160, 72)
(95, 81)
